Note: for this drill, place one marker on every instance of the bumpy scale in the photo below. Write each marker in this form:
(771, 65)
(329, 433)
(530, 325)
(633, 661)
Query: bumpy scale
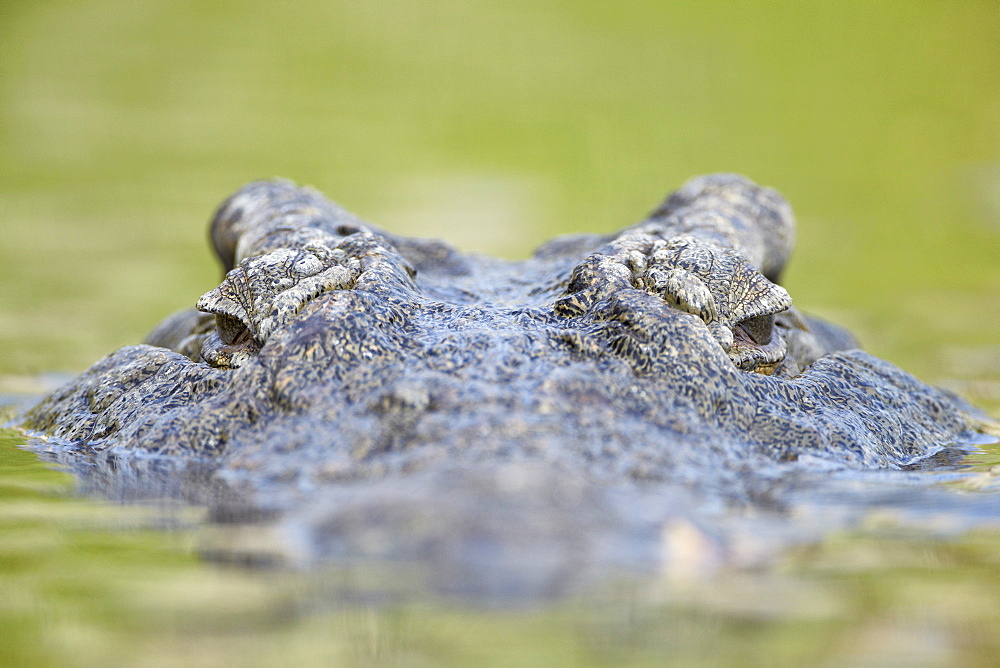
(333, 350)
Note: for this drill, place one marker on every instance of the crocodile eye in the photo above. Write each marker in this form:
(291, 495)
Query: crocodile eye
(232, 331)
(758, 329)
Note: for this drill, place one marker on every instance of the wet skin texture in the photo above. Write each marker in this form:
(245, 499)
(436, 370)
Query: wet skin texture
(334, 352)
(365, 350)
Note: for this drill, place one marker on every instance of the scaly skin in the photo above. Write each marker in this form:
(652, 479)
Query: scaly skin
(508, 423)
(335, 351)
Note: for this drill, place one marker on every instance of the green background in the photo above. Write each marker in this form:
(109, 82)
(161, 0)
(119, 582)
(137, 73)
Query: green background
(496, 125)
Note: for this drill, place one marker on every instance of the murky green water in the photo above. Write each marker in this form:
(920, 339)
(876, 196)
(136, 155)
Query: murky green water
(85, 582)
(496, 125)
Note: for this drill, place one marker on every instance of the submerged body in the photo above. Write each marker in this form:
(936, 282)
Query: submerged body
(666, 354)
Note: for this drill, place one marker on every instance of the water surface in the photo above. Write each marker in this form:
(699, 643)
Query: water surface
(497, 125)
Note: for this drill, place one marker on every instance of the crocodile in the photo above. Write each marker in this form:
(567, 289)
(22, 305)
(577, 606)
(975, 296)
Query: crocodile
(336, 358)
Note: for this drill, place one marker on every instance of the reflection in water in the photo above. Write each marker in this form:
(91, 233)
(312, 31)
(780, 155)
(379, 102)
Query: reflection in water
(190, 566)
(521, 531)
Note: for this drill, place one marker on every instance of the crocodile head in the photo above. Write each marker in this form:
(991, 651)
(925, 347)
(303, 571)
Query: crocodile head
(333, 349)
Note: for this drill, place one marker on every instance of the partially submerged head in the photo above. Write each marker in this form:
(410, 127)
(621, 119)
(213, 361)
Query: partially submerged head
(650, 352)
